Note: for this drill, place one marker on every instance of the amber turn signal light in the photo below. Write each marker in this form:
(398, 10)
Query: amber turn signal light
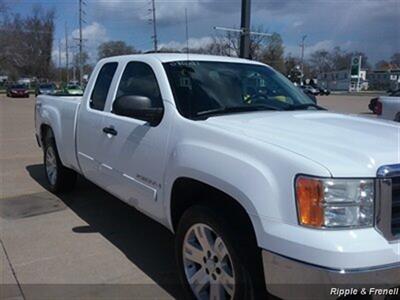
(309, 196)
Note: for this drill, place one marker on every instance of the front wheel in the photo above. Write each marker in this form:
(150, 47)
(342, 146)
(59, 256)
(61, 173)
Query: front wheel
(213, 262)
(59, 178)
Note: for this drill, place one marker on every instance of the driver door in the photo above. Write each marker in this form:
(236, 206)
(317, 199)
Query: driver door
(137, 151)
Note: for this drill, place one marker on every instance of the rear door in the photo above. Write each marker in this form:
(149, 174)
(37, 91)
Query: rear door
(137, 152)
(90, 135)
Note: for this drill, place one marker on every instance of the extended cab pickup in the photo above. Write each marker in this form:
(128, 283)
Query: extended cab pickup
(261, 186)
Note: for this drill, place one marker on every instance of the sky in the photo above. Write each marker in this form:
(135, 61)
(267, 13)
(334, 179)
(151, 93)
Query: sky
(370, 26)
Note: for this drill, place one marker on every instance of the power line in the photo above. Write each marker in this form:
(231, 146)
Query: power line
(241, 31)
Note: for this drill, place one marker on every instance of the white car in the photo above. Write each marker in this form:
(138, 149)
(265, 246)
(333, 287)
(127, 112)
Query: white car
(388, 107)
(261, 186)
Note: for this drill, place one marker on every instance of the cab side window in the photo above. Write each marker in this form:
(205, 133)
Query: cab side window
(102, 85)
(139, 79)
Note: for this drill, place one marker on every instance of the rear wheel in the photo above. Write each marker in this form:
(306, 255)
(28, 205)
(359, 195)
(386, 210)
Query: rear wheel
(213, 261)
(59, 178)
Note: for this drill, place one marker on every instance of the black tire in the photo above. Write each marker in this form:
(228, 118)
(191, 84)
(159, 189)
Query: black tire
(65, 178)
(244, 252)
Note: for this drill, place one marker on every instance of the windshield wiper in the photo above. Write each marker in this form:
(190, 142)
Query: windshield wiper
(303, 106)
(234, 109)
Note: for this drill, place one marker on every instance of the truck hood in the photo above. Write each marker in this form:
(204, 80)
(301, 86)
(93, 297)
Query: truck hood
(346, 145)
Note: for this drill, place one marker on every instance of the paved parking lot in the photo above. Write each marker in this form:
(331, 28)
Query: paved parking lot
(86, 244)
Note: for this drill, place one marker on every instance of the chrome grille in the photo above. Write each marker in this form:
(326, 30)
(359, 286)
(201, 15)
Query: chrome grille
(387, 206)
(396, 206)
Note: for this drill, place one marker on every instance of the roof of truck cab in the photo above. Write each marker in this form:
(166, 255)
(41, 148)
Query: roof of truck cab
(170, 57)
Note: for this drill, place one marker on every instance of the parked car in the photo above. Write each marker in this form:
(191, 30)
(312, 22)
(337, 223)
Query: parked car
(372, 104)
(322, 90)
(310, 90)
(309, 94)
(260, 190)
(45, 89)
(73, 89)
(388, 108)
(17, 90)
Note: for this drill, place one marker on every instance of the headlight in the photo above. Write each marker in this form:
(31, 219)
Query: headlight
(333, 203)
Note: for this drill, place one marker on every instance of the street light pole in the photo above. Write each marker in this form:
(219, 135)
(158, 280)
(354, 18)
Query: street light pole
(302, 45)
(80, 43)
(245, 27)
(66, 51)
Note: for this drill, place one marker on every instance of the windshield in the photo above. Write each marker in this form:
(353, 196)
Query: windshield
(73, 87)
(18, 86)
(203, 88)
(46, 86)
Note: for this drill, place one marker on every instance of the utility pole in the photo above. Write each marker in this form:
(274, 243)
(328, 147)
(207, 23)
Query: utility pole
(302, 45)
(66, 51)
(229, 40)
(154, 22)
(59, 59)
(245, 27)
(81, 13)
(187, 33)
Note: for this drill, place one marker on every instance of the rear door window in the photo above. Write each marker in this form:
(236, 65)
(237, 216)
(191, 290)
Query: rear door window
(102, 86)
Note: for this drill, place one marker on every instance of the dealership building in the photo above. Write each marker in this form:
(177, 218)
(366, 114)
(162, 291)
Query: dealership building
(352, 80)
(343, 81)
(384, 79)
(373, 80)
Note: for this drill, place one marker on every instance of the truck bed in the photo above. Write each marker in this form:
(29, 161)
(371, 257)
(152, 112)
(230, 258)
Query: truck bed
(61, 113)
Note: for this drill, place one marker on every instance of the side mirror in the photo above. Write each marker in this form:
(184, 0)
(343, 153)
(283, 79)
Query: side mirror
(138, 107)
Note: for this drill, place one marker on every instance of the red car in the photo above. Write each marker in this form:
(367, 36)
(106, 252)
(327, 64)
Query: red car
(17, 90)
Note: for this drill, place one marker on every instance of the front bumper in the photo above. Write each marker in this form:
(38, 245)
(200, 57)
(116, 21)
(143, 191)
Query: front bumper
(19, 95)
(291, 279)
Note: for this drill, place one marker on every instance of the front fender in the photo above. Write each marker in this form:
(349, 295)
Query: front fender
(240, 179)
(260, 180)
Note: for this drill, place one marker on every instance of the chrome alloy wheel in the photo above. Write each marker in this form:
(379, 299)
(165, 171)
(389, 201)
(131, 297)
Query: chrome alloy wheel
(51, 165)
(208, 264)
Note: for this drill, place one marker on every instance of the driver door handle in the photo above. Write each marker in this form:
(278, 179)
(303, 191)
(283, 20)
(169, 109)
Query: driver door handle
(110, 130)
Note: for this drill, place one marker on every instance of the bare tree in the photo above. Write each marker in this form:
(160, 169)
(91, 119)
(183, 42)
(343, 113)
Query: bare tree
(382, 65)
(26, 43)
(168, 50)
(228, 44)
(395, 60)
(273, 52)
(321, 61)
(114, 48)
(335, 60)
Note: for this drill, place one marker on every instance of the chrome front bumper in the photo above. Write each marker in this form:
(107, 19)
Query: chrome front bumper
(291, 279)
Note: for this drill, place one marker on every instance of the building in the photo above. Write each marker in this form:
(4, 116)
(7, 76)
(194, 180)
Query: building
(343, 81)
(384, 79)
(3, 79)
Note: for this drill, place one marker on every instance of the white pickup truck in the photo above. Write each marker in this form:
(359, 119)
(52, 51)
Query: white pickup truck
(262, 187)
